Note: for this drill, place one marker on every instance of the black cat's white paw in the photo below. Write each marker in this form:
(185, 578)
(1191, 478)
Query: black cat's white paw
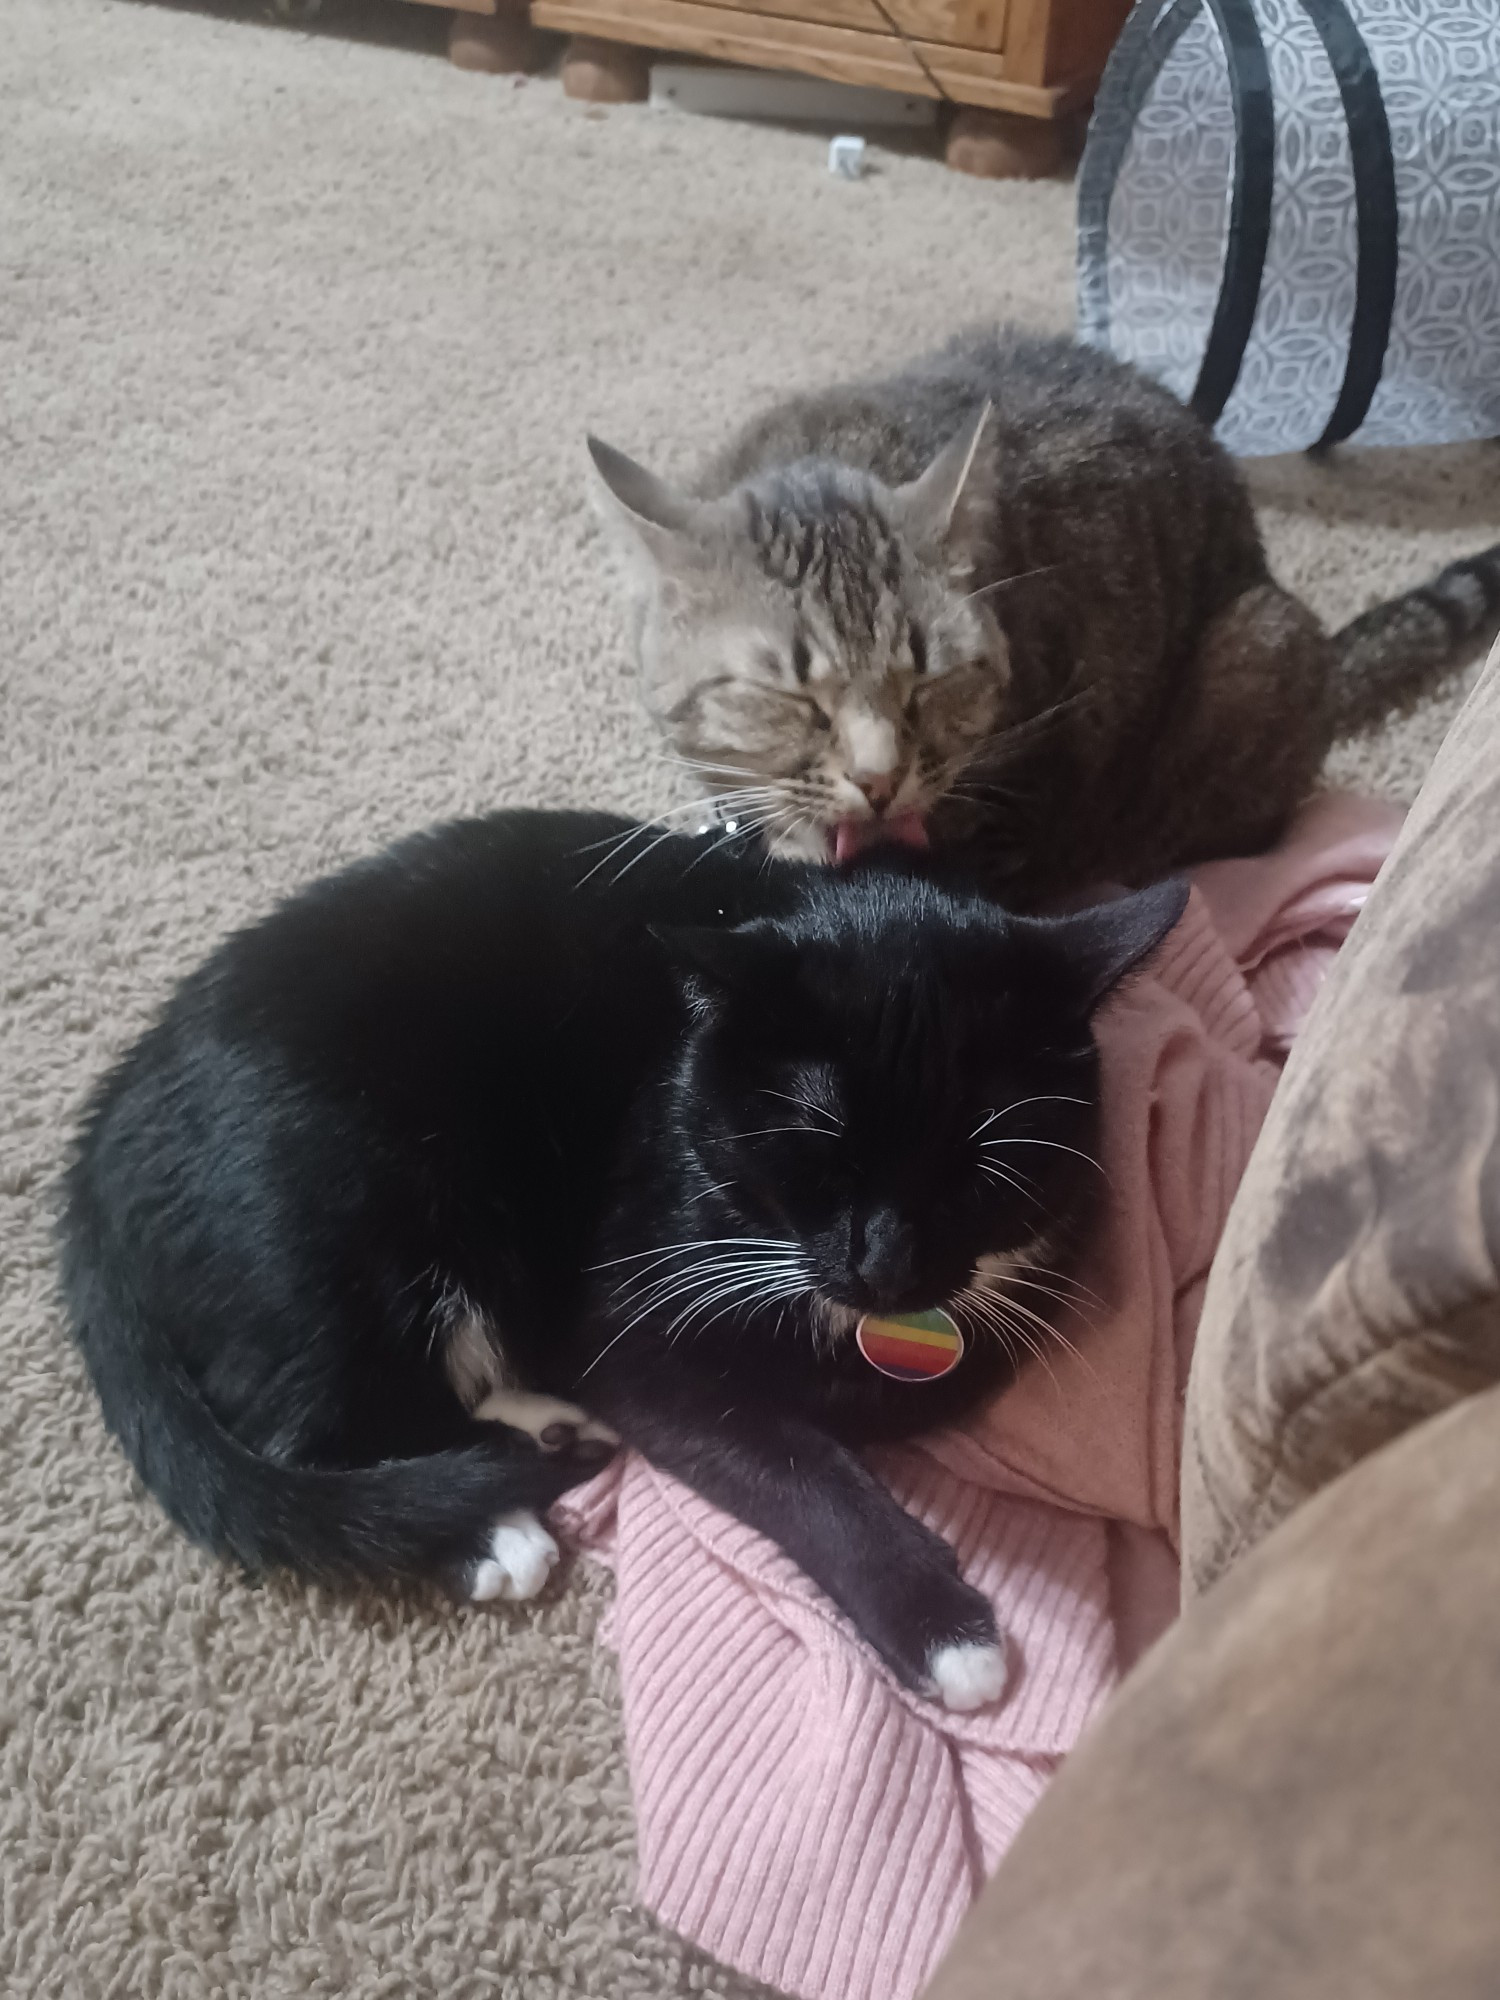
(520, 1558)
(966, 1674)
(936, 1632)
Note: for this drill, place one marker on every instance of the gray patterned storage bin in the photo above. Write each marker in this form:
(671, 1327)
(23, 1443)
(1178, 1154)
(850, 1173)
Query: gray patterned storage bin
(1289, 211)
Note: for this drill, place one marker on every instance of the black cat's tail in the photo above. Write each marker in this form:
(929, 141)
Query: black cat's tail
(1393, 654)
(406, 1519)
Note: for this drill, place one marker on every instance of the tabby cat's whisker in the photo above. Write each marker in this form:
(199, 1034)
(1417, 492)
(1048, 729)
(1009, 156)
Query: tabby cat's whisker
(1003, 582)
(1016, 732)
(614, 845)
(642, 854)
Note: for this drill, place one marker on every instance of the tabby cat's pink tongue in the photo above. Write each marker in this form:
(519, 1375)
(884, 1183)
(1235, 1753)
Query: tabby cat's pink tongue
(853, 836)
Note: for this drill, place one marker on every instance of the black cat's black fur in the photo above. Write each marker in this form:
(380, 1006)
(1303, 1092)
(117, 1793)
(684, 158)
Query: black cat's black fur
(645, 1137)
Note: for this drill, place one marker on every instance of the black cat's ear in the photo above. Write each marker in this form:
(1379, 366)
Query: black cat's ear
(717, 961)
(1101, 944)
(943, 511)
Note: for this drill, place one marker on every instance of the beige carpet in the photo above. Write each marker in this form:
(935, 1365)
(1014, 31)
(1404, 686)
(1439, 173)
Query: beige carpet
(298, 338)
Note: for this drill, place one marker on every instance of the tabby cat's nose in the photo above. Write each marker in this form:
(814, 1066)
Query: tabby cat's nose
(879, 787)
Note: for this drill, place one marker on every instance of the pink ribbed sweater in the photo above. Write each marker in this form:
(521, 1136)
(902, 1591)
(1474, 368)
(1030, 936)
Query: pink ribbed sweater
(800, 1815)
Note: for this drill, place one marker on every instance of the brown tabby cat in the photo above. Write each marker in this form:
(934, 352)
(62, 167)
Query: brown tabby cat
(1013, 597)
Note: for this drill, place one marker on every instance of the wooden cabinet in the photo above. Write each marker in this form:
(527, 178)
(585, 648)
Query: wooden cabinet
(1013, 68)
(1037, 58)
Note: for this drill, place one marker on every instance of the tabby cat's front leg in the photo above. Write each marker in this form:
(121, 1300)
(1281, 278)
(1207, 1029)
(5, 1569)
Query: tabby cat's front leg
(897, 1581)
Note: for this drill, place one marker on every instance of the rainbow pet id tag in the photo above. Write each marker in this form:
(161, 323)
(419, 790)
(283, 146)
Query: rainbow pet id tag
(913, 1347)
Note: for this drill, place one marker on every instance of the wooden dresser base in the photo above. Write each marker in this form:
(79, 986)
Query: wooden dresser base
(1014, 70)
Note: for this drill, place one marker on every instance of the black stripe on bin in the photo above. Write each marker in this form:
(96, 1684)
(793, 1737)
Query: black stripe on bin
(1146, 40)
(1375, 214)
(1249, 207)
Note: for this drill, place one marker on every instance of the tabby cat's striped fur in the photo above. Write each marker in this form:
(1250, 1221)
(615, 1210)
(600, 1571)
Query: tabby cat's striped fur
(1015, 596)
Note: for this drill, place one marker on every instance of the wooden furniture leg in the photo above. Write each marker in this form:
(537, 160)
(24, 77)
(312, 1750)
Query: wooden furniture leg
(1002, 146)
(605, 72)
(500, 43)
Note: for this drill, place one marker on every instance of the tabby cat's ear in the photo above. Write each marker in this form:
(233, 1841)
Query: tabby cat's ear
(655, 519)
(1101, 944)
(944, 511)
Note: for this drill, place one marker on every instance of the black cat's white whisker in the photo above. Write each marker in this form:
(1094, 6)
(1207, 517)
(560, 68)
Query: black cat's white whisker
(1044, 1326)
(1043, 1097)
(997, 1285)
(1072, 1299)
(981, 1311)
(1032, 1346)
(716, 1288)
(1066, 1278)
(678, 1283)
(994, 1173)
(808, 1104)
(994, 1309)
(682, 1279)
(989, 1147)
(1057, 1146)
(644, 1293)
(680, 1275)
(718, 1187)
(744, 1296)
(690, 1243)
(770, 1131)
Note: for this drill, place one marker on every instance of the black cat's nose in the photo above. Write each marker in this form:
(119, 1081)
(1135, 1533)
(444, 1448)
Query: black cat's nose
(882, 1256)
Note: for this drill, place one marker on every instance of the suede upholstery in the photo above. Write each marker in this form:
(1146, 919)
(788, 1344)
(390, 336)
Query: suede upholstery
(1296, 1796)
(1356, 1290)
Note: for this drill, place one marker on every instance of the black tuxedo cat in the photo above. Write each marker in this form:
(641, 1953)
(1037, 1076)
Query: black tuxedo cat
(504, 1127)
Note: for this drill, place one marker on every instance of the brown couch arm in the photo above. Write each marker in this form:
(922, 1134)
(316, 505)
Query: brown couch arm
(1297, 1795)
(1357, 1288)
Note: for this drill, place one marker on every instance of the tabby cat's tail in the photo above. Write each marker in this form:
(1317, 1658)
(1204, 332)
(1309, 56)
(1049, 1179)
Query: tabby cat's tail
(430, 1517)
(1393, 654)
